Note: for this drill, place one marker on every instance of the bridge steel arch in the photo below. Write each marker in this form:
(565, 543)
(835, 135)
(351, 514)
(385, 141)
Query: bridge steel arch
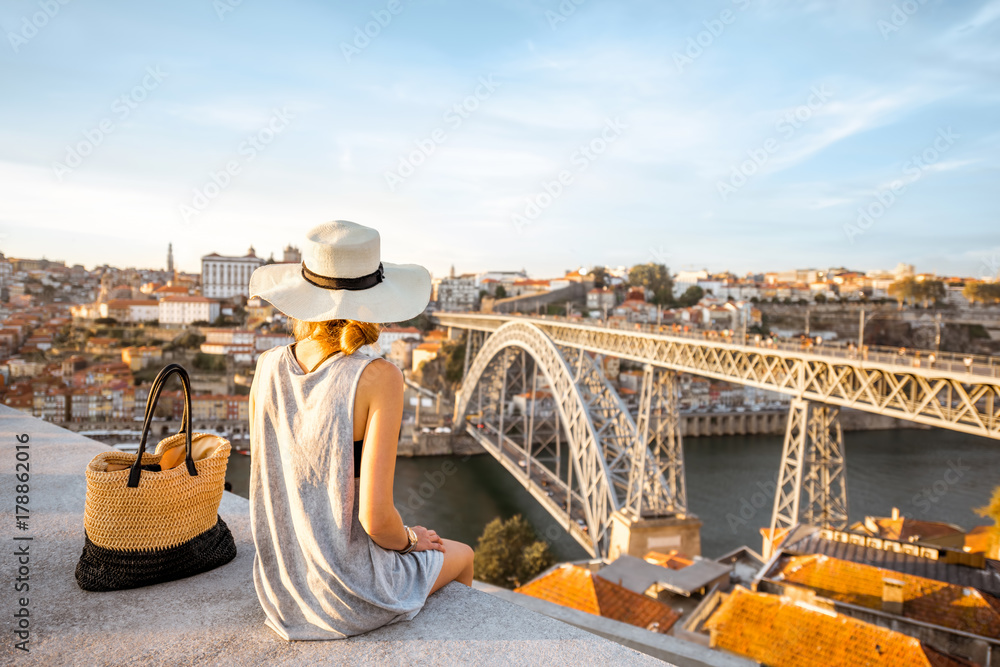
(599, 433)
(946, 391)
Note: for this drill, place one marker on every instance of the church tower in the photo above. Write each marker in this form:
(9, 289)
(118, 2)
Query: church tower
(170, 257)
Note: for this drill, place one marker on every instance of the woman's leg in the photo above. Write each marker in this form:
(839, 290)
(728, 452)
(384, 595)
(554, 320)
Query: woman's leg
(457, 564)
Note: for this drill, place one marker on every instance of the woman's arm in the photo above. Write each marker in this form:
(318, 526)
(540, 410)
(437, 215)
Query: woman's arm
(379, 403)
(380, 389)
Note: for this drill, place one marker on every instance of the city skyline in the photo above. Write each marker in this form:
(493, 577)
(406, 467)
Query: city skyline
(729, 136)
(276, 255)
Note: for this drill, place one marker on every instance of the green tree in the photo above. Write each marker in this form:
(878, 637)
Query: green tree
(981, 292)
(210, 362)
(510, 554)
(600, 275)
(455, 363)
(912, 290)
(691, 296)
(655, 277)
(930, 290)
(971, 291)
(421, 321)
(188, 340)
(903, 290)
(501, 293)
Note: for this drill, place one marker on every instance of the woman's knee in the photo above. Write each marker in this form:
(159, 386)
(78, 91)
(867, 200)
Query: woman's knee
(463, 551)
(464, 557)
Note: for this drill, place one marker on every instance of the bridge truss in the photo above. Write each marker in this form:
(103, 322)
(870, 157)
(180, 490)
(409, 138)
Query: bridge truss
(651, 480)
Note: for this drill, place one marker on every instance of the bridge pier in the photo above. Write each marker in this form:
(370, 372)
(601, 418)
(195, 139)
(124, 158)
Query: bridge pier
(656, 485)
(654, 517)
(813, 453)
(637, 537)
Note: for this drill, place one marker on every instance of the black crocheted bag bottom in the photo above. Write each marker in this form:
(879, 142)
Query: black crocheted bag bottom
(102, 569)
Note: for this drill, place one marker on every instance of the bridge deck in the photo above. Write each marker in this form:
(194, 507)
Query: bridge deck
(954, 392)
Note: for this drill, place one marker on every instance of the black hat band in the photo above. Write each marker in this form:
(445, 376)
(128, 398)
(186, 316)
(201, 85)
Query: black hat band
(353, 284)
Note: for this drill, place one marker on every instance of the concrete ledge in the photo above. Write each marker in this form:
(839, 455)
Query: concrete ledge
(214, 618)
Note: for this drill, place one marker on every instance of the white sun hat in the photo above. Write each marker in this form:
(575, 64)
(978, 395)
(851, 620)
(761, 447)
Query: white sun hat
(342, 277)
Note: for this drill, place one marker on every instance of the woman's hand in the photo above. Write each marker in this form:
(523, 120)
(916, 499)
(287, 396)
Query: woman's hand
(427, 540)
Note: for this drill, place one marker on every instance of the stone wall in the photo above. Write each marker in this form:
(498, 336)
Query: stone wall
(215, 618)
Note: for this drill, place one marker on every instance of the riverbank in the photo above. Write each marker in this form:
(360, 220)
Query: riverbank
(692, 425)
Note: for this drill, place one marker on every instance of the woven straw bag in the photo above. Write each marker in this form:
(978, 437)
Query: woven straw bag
(144, 525)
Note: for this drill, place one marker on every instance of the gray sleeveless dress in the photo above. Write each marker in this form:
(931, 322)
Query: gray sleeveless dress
(317, 573)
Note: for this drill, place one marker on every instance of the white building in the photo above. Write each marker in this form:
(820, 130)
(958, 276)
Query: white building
(390, 335)
(458, 294)
(264, 342)
(741, 291)
(601, 298)
(183, 310)
(227, 336)
(686, 279)
(131, 310)
(226, 277)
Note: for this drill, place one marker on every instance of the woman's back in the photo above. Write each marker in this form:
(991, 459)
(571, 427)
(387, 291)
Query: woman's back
(317, 573)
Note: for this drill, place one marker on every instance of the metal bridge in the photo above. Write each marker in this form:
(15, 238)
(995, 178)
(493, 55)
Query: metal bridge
(535, 397)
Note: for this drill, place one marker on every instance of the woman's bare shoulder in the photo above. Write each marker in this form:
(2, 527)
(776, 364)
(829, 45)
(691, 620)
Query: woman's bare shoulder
(381, 374)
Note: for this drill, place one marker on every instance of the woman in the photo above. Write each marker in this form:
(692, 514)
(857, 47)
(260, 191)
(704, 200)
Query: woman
(333, 556)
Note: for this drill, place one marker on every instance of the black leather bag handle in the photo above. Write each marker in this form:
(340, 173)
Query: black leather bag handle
(155, 388)
(151, 399)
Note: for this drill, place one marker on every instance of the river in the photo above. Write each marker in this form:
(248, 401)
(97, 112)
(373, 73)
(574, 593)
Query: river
(730, 486)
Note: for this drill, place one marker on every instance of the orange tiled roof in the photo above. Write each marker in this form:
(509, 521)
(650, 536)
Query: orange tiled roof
(570, 586)
(97, 341)
(576, 587)
(776, 631)
(926, 600)
(903, 529)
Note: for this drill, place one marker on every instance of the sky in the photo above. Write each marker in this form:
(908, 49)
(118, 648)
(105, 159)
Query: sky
(743, 135)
